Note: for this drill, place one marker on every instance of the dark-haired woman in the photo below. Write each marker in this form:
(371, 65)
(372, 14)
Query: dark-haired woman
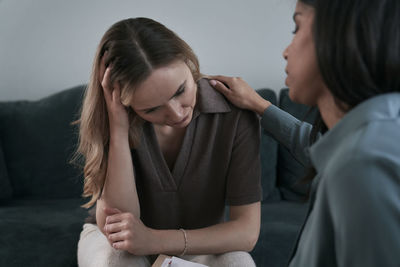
(163, 156)
(344, 58)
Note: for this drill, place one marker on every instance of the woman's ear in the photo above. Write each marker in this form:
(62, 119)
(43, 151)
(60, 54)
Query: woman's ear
(131, 113)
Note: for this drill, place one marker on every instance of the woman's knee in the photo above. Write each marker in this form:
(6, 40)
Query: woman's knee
(234, 259)
(95, 251)
(229, 259)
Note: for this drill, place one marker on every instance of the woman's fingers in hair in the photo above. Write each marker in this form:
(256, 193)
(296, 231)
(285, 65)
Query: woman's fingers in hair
(112, 92)
(116, 92)
(105, 84)
(102, 67)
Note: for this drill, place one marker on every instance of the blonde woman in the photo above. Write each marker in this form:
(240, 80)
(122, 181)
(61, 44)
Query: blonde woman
(164, 154)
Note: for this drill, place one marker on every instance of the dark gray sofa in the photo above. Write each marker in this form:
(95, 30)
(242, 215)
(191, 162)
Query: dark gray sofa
(40, 214)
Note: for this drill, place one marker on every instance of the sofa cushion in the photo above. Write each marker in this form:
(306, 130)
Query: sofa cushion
(40, 232)
(280, 225)
(289, 170)
(38, 141)
(5, 187)
(268, 155)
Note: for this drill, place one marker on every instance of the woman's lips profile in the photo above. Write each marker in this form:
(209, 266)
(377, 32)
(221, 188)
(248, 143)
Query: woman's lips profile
(182, 121)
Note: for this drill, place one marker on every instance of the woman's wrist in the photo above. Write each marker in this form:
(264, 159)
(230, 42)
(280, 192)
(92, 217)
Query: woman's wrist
(170, 242)
(118, 136)
(261, 105)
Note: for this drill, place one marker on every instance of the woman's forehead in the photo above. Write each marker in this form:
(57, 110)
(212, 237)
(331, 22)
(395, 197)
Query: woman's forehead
(160, 86)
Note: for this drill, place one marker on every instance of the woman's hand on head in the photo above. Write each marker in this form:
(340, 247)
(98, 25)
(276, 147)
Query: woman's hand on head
(117, 113)
(126, 232)
(239, 93)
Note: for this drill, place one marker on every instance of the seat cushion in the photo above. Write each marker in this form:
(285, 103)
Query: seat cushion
(38, 142)
(40, 232)
(280, 225)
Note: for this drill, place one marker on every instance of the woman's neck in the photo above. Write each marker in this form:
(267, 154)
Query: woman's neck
(330, 112)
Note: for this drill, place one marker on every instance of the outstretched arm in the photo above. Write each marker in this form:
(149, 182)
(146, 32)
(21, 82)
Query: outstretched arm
(285, 128)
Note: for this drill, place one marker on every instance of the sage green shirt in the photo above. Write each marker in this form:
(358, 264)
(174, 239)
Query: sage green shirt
(354, 213)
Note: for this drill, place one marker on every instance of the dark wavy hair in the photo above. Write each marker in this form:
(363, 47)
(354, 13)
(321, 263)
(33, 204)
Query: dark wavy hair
(358, 50)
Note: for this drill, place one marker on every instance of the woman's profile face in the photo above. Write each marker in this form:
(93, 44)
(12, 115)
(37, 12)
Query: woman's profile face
(303, 75)
(167, 96)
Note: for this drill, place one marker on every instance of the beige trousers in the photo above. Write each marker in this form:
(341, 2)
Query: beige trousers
(95, 251)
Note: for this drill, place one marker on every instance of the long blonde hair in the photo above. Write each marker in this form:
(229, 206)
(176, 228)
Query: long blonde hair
(134, 47)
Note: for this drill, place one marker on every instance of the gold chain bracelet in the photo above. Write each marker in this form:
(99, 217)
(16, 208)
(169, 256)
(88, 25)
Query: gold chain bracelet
(185, 237)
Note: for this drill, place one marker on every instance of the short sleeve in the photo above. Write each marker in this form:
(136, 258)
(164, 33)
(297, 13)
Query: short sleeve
(244, 173)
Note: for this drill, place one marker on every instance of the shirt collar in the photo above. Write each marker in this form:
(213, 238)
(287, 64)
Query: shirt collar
(209, 100)
(381, 107)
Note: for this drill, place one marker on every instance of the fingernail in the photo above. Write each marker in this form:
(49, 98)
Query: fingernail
(213, 82)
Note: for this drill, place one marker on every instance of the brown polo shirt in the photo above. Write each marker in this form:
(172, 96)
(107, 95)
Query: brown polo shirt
(217, 164)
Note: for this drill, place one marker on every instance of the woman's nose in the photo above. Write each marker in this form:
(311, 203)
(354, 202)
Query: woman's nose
(285, 52)
(175, 111)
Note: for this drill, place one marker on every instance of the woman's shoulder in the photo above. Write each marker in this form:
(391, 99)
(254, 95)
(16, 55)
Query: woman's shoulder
(212, 101)
(368, 158)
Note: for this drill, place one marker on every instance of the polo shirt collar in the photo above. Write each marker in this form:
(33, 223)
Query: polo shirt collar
(381, 107)
(209, 100)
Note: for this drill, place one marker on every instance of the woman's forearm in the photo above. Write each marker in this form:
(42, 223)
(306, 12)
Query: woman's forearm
(238, 234)
(119, 189)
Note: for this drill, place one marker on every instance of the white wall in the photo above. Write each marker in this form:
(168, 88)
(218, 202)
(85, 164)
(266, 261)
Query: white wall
(48, 45)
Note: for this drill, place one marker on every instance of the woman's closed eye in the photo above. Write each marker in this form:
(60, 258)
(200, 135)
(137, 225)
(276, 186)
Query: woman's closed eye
(295, 20)
(151, 110)
(180, 91)
(295, 29)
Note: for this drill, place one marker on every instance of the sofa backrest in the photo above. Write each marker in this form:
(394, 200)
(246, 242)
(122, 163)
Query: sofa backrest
(38, 141)
(290, 172)
(281, 173)
(5, 186)
(269, 155)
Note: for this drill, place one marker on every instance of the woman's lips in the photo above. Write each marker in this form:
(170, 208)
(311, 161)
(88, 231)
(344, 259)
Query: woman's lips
(182, 121)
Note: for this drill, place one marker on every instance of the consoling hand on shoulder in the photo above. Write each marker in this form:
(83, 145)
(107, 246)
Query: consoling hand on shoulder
(240, 93)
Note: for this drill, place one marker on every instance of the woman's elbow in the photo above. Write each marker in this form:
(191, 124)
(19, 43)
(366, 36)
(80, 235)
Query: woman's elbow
(249, 237)
(100, 216)
(252, 239)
